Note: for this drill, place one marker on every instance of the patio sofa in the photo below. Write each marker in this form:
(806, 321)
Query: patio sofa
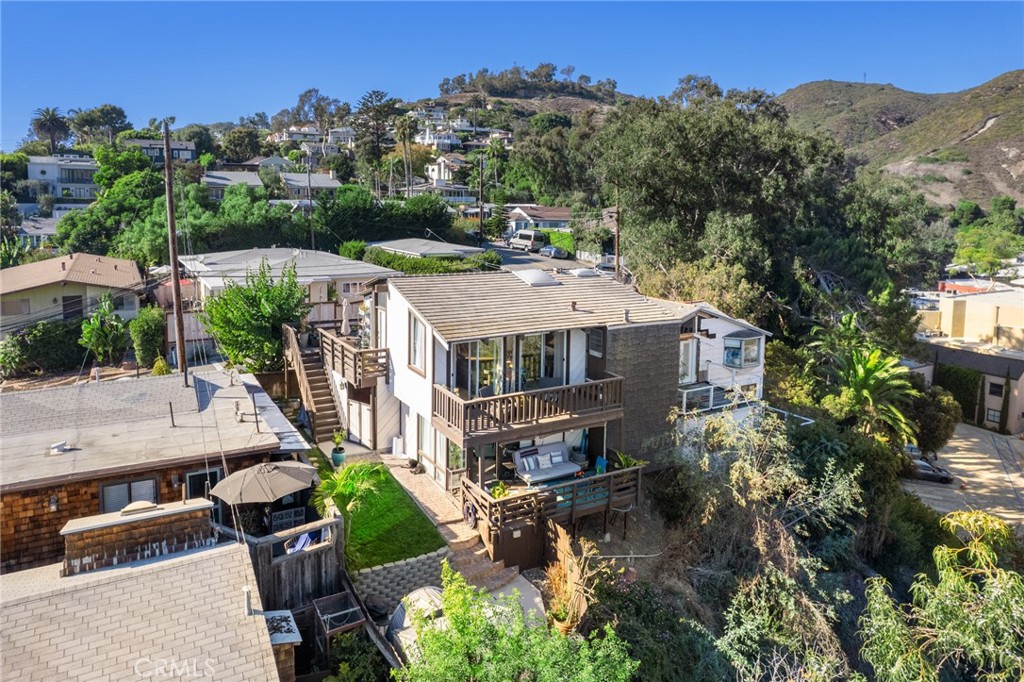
(544, 463)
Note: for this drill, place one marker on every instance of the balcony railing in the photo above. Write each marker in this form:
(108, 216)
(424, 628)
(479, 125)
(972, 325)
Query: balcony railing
(360, 366)
(527, 413)
(709, 397)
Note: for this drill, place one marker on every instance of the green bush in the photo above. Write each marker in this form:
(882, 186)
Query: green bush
(47, 346)
(354, 249)
(561, 239)
(160, 368)
(964, 384)
(411, 265)
(914, 531)
(147, 332)
(357, 659)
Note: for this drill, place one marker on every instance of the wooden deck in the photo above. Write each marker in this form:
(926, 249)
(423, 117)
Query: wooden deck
(360, 366)
(526, 414)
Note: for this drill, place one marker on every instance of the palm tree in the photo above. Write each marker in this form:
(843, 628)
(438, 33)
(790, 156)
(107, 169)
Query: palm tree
(50, 124)
(348, 489)
(405, 131)
(475, 104)
(496, 153)
(874, 388)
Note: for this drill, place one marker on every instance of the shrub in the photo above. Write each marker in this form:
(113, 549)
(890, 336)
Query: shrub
(354, 249)
(147, 332)
(160, 368)
(964, 384)
(357, 659)
(411, 265)
(47, 346)
(914, 531)
(561, 239)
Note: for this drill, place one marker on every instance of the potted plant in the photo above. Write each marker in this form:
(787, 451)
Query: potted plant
(303, 334)
(624, 461)
(558, 590)
(499, 490)
(338, 453)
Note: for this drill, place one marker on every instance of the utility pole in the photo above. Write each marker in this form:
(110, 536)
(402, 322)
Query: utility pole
(172, 239)
(481, 199)
(618, 226)
(309, 199)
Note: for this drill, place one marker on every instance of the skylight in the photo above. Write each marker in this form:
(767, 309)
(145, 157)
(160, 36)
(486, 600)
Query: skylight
(536, 278)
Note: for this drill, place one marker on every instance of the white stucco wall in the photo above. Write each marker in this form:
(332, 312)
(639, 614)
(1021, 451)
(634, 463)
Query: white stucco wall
(712, 356)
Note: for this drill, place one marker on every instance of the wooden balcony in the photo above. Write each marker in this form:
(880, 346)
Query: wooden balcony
(360, 366)
(526, 414)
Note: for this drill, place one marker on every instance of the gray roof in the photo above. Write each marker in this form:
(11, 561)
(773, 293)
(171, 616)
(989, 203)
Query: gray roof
(228, 178)
(687, 310)
(310, 266)
(481, 305)
(426, 248)
(36, 226)
(159, 144)
(992, 362)
(116, 623)
(116, 427)
(314, 180)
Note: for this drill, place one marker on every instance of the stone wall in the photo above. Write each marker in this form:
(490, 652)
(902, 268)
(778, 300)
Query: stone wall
(30, 532)
(393, 581)
(129, 541)
(647, 357)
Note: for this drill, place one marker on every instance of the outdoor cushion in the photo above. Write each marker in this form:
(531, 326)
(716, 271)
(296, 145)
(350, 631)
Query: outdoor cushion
(527, 452)
(557, 471)
(557, 457)
(544, 461)
(529, 463)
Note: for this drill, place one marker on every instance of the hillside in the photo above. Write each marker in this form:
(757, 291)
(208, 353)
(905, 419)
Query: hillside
(961, 145)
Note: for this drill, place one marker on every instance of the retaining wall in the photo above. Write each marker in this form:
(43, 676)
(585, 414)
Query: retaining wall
(393, 581)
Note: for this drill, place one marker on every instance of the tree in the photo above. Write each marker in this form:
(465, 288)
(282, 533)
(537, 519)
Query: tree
(114, 165)
(13, 169)
(49, 124)
(105, 334)
(567, 71)
(874, 391)
(935, 414)
(373, 116)
(969, 623)
(147, 331)
(241, 144)
(326, 112)
(405, 131)
(99, 125)
(488, 639)
(12, 252)
(10, 215)
(245, 320)
(198, 134)
(348, 489)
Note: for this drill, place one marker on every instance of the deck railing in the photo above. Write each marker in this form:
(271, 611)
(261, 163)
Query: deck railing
(509, 410)
(360, 366)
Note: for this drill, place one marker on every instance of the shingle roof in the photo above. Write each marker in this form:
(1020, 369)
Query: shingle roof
(427, 248)
(482, 305)
(546, 212)
(228, 178)
(117, 623)
(81, 268)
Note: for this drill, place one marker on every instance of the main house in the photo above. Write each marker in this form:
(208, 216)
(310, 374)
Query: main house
(537, 217)
(65, 176)
(67, 288)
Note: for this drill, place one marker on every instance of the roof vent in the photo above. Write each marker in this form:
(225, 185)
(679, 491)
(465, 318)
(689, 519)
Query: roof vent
(58, 448)
(63, 266)
(584, 272)
(139, 507)
(536, 278)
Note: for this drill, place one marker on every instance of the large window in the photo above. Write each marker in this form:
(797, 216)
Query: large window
(595, 341)
(995, 389)
(421, 435)
(742, 352)
(417, 344)
(687, 361)
(117, 496)
(993, 415)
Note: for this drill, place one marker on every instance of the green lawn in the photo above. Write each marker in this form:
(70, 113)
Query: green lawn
(389, 527)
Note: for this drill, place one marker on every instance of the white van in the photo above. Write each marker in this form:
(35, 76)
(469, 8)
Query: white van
(528, 240)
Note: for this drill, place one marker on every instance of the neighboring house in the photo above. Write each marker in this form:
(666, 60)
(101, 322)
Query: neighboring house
(451, 192)
(435, 112)
(998, 366)
(302, 185)
(218, 181)
(539, 217)
(994, 317)
(67, 176)
(189, 614)
(254, 164)
(427, 248)
(335, 285)
(445, 167)
(76, 451)
(318, 149)
(67, 287)
(154, 149)
(298, 134)
(476, 357)
(343, 137)
(443, 140)
(34, 231)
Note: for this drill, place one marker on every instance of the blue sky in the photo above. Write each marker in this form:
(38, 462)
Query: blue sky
(207, 62)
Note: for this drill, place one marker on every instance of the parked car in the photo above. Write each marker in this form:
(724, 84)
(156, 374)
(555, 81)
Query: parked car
(552, 251)
(924, 471)
(401, 631)
(528, 240)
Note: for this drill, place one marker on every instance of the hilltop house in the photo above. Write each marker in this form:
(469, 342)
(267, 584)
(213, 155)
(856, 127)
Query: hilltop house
(218, 181)
(445, 167)
(66, 176)
(67, 287)
(77, 451)
(539, 217)
(154, 149)
(451, 192)
(307, 133)
(303, 185)
(342, 137)
(255, 164)
(442, 140)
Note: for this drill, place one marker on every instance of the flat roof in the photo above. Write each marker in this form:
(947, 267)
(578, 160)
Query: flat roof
(185, 609)
(229, 178)
(481, 305)
(982, 357)
(120, 517)
(427, 248)
(310, 266)
(124, 426)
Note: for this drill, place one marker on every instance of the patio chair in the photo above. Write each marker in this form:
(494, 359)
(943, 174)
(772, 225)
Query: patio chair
(298, 544)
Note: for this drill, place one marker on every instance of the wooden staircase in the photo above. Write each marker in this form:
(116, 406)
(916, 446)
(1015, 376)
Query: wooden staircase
(478, 569)
(323, 411)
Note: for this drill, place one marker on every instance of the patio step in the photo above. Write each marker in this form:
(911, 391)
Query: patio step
(499, 580)
(477, 568)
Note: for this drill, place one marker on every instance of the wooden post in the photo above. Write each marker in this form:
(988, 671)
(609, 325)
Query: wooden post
(618, 226)
(172, 239)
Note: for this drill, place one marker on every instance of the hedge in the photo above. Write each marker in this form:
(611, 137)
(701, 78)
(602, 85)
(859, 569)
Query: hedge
(965, 385)
(412, 265)
(47, 346)
(561, 239)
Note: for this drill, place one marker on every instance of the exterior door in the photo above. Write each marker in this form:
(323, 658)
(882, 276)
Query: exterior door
(687, 361)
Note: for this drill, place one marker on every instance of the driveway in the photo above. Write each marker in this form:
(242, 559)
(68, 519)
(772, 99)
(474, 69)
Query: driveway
(989, 471)
(518, 260)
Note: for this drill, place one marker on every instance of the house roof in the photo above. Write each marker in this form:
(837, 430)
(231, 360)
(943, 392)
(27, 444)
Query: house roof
(481, 305)
(80, 268)
(314, 180)
(115, 427)
(310, 266)
(159, 144)
(545, 212)
(77, 161)
(427, 248)
(990, 360)
(688, 310)
(36, 226)
(119, 623)
(228, 178)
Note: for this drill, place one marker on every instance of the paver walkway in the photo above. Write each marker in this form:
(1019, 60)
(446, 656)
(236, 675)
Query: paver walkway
(990, 467)
(435, 503)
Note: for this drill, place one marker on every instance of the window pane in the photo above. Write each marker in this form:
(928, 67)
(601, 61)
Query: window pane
(115, 497)
(144, 490)
(751, 354)
(733, 353)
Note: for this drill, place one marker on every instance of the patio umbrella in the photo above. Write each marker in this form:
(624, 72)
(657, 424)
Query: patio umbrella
(265, 482)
